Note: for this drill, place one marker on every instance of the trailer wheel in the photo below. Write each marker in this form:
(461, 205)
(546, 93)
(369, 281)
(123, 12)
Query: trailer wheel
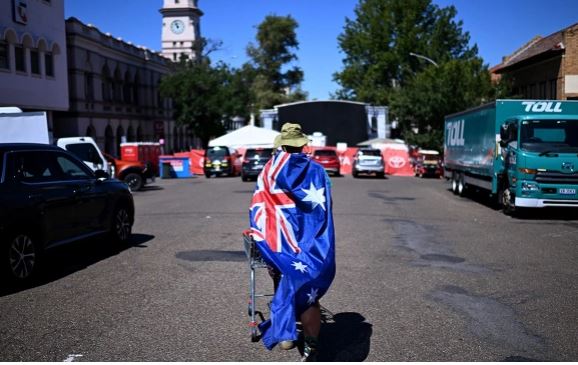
(455, 184)
(461, 185)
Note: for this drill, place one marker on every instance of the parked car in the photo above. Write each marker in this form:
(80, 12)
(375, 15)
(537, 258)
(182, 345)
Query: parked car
(368, 161)
(328, 159)
(427, 163)
(86, 149)
(254, 161)
(48, 197)
(135, 174)
(221, 160)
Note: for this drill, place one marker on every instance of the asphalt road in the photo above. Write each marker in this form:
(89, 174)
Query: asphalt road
(423, 275)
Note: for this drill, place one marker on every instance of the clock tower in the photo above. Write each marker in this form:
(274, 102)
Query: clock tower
(181, 35)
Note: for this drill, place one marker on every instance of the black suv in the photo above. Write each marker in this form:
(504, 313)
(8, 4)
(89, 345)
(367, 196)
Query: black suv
(254, 161)
(48, 197)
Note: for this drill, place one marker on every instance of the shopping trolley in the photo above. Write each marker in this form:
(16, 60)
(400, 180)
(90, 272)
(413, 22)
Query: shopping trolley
(255, 262)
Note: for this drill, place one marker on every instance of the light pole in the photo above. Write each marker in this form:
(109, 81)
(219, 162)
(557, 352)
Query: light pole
(425, 58)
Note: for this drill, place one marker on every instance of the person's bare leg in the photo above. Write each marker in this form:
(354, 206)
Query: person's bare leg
(311, 321)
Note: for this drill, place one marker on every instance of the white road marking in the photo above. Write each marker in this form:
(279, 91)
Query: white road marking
(72, 357)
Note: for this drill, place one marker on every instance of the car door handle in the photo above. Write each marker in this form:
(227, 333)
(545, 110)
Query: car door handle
(82, 189)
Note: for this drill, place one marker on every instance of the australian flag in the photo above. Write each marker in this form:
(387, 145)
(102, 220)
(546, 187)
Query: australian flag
(292, 224)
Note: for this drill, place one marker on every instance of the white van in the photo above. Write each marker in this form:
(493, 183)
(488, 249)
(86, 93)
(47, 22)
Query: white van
(86, 149)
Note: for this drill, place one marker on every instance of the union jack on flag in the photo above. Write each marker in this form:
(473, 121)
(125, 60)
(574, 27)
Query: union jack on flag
(291, 221)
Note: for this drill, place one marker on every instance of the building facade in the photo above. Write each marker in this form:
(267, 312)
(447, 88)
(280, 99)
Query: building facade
(544, 68)
(181, 31)
(114, 92)
(33, 63)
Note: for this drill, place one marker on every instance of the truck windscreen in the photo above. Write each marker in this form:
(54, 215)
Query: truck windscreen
(549, 135)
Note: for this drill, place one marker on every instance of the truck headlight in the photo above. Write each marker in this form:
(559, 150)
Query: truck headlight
(530, 186)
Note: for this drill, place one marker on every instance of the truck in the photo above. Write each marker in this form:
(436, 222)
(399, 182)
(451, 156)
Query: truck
(17, 126)
(523, 152)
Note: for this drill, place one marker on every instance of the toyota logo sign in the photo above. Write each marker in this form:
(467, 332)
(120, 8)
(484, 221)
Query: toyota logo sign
(396, 162)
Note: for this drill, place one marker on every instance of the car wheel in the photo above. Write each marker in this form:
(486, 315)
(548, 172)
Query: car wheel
(134, 181)
(355, 174)
(244, 178)
(381, 175)
(121, 226)
(207, 175)
(23, 257)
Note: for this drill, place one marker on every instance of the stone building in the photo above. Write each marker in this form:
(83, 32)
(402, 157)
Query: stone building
(545, 67)
(33, 63)
(114, 92)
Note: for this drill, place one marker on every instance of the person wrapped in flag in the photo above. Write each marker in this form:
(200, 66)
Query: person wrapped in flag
(291, 221)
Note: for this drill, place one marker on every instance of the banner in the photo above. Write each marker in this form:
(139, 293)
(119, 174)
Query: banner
(397, 162)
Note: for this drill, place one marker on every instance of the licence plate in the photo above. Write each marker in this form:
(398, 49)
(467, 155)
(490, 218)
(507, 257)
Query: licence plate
(567, 191)
(257, 167)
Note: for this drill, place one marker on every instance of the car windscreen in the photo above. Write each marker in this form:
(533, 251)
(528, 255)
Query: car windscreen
(329, 153)
(85, 152)
(264, 153)
(549, 136)
(369, 153)
(217, 152)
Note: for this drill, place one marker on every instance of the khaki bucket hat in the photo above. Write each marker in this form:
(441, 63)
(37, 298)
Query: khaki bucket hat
(291, 135)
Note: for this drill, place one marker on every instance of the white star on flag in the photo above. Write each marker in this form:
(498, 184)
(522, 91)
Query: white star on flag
(312, 296)
(315, 196)
(299, 266)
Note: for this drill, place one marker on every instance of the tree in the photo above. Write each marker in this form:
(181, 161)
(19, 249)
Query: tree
(203, 96)
(438, 91)
(273, 81)
(377, 46)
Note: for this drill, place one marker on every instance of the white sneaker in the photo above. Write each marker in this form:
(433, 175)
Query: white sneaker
(287, 345)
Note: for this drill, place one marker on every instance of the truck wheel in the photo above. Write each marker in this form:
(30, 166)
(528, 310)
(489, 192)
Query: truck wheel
(505, 199)
(134, 181)
(454, 184)
(461, 186)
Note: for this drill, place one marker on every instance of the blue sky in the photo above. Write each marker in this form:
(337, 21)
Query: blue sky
(498, 27)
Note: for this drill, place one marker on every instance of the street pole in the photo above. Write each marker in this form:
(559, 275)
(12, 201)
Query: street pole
(425, 58)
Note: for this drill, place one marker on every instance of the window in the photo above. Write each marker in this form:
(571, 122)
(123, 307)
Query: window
(4, 56)
(49, 64)
(34, 62)
(85, 152)
(71, 169)
(542, 90)
(38, 166)
(553, 89)
(88, 86)
(20, 60)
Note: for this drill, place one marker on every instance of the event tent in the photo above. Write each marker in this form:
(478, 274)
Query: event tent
(246, 137)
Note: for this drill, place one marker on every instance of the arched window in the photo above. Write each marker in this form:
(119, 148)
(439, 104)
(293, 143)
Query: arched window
(135, 89)
(127, 88)
(139, 135)
(106, 84)
(130, 134)
(91, 132)
(175, 139)
(117, 86)
(109, 140)
(119, 135)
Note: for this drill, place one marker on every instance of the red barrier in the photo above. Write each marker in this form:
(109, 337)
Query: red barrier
(397, 162)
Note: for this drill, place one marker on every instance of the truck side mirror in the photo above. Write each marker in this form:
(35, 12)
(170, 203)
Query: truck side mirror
(504, 133)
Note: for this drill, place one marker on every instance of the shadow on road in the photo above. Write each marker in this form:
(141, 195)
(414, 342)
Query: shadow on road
(345, 337)
(63, 261)
(151, 188)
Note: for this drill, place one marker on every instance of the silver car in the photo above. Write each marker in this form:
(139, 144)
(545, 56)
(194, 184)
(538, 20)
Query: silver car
(368, 161)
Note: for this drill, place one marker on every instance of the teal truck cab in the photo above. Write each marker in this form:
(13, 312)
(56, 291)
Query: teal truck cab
(524, 152)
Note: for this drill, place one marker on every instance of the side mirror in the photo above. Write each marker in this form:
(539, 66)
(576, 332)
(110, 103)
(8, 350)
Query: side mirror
(504, 135)
(101, 175)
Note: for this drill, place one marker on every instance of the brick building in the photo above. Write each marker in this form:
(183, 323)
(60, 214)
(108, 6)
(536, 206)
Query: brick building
(544, 68)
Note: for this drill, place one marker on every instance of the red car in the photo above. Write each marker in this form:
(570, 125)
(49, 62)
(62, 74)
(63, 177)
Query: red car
(328, 159)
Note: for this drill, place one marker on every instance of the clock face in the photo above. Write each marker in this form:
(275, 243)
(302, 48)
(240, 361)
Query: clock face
(177, 26)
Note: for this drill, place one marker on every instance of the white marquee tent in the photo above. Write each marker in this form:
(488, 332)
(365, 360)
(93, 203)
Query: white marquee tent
(246, 137)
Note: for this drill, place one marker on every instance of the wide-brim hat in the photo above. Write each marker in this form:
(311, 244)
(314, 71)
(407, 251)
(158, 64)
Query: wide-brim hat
(291, 135)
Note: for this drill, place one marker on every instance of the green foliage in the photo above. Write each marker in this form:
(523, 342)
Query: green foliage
(204, 95)
(377, 46)
(438, 91)
(273, 81)
(431, 140)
